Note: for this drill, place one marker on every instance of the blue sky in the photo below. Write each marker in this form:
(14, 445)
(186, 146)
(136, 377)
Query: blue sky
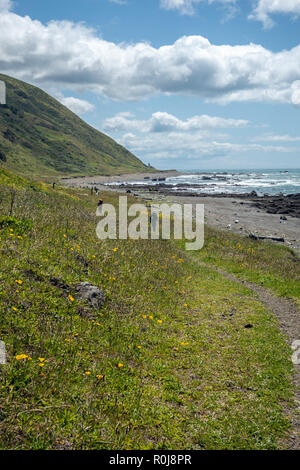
(186, 84)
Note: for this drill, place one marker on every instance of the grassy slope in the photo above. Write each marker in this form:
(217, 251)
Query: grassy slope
(38, 135)
(274, 267)
(192, 376)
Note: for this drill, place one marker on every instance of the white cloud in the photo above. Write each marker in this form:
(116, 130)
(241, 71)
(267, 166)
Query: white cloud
(165, 122)
(265, 8)
(164, 136)
(76, 105)
(262, 11)
(277, 138)
(63, 54)
(5, 5)
(186, 7)
(193, 146)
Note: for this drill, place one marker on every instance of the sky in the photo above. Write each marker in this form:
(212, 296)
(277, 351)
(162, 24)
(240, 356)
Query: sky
(185, 84)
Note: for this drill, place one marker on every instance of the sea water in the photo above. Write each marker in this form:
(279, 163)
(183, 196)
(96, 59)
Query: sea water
(269, 182)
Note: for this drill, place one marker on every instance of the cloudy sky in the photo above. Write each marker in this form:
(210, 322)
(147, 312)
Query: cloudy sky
(186, 84)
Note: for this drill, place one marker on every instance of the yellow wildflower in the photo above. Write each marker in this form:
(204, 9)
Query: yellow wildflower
(159, 321)
(115, 249)
(120, 365)
(18, 281)
(99, 376)
(87, 372)
(21, 356)
(14, 309)
(144, 316)
(71, 298)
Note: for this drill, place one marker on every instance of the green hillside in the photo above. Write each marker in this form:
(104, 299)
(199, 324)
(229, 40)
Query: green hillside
(40, 136)
(178, 357)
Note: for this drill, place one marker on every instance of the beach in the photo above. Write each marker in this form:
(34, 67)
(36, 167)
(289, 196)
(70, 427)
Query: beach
(87, 181)
(245, 213)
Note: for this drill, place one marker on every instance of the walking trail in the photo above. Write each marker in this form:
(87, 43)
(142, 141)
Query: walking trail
(289, 318)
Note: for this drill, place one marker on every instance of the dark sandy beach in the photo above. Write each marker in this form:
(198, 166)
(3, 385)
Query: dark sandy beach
(276, 216)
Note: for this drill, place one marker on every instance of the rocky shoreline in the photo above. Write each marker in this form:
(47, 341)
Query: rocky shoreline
(263, 217)
(279, 204)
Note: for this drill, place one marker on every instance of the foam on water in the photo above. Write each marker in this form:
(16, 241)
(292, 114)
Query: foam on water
(262, 181)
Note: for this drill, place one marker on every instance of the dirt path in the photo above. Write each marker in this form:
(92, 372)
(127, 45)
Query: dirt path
(289, 318)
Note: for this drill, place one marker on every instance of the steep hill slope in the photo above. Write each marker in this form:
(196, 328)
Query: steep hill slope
(178, 356)
(38, 135)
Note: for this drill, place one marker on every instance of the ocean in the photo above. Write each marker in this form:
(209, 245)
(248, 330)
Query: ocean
(269, 182)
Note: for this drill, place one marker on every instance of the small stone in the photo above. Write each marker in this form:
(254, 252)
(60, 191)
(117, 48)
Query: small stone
(249, 325)
(94, 296)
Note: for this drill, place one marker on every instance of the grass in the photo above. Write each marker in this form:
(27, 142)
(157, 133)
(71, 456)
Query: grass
(39, 136)
(167, 363)
(271, 266)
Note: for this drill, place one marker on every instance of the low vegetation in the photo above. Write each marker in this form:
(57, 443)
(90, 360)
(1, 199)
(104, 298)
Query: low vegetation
(178, 357)
(264, 263)
(39, 136)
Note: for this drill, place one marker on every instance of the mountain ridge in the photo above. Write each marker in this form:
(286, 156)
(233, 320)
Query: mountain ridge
(40, 136)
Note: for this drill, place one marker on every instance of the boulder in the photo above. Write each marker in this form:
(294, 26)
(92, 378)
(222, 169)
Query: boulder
(94, 296)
